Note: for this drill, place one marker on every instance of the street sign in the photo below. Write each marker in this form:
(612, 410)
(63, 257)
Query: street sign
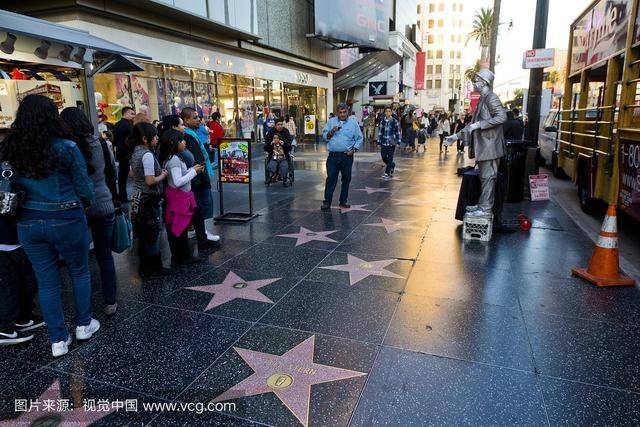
(539, 185)
(538, 58)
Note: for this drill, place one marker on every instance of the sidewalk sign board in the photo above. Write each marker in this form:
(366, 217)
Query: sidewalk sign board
(539, 185)
(234, 167)
(310, 124)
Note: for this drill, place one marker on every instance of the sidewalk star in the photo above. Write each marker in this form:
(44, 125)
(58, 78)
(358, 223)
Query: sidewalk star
(305, 236)
(371, 190)
(353, 208)
(392, 226)
(235, 287)
(360, 269)
(412, 201)
(289, 376)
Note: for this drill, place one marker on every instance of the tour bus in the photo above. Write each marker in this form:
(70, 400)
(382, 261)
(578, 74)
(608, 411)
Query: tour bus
(597, 126)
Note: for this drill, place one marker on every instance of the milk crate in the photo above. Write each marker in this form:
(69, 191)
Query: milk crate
(477, 227)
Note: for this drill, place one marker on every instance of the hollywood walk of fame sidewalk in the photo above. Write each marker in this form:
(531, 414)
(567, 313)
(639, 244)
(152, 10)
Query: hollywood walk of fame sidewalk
(375, 315)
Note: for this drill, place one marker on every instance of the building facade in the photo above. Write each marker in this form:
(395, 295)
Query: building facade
(444, 26)
(243, 58)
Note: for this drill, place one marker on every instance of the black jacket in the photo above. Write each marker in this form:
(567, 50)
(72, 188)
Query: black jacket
(121, 133)
(513, 129)
(285, 137)
(202, 180)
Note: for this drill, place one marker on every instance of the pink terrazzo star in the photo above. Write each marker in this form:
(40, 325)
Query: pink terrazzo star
(71, 417)
(353, 208)
(371, 190)
(289, 376)
(360, 269)
(305, 236)
(391, 226)
(411, 201)
(234, 287)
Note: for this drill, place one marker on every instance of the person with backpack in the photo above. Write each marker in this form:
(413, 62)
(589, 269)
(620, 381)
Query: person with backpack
(101, 214)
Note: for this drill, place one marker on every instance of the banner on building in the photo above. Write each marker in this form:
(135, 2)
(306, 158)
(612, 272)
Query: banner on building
(362, 22)
(600, 33)
(310, 124)
(419, 80)
(474, 98)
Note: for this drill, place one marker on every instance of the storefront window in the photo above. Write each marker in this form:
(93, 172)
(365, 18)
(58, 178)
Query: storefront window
(148, 96)
(206, 102)
(112, 94)
(246, 106)
(227, 103)
(275, 99)
(179, 95)
(65, 88)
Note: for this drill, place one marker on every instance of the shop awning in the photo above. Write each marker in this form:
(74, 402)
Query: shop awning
(22, 31)
(361, 71)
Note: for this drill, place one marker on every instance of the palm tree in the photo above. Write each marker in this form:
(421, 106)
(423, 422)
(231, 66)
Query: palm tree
(471, 72)
(482, 23)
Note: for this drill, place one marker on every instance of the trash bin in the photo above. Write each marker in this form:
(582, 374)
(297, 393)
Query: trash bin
(513, 168)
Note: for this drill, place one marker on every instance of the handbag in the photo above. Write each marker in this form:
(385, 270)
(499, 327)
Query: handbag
(121, 233)
(10, 198)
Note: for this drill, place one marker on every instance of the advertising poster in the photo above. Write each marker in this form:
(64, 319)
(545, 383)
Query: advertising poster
(234, 162)
(310, 125)
(364, 22)
(630, 178)
(179, 95)
(600, 33)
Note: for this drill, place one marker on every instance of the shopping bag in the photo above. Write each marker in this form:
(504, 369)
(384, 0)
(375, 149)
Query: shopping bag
(121, 233)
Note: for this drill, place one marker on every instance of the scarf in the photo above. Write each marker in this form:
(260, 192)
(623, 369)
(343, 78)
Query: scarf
(205, 153)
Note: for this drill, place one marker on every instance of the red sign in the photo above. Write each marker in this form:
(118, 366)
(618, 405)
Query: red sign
(420, 56)
(473, 100)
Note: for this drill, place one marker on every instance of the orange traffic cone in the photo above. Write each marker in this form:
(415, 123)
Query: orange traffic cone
(604, 267)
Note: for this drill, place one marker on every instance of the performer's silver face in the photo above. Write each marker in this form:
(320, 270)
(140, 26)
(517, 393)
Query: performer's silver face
(479, 84)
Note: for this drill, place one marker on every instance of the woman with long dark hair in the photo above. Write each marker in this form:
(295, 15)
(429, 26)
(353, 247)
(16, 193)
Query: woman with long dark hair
(101, 215)
(180, 200)
(147, 177)
(51, 223)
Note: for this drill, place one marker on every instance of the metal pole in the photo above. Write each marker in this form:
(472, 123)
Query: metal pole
(537, 74)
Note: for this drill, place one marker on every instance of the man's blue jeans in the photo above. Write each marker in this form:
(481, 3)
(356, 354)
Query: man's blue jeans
(45, 241)
(387, 152)
(338, 163)
(102, 236)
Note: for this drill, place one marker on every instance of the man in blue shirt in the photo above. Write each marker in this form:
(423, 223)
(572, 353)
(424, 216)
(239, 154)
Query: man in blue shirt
(388, 137)
(344, 138)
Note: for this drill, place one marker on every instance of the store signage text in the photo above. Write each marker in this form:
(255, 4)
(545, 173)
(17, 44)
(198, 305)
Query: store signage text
(302, 78)
(538, 58)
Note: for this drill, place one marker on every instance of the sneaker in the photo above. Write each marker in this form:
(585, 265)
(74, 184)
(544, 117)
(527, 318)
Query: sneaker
(34, 323)
(111, 309)
(385, 176)
(472, 208)
(16, 337)
(86, 332)
(61, 348)
(191, 234)
(326, 207)
(344, 205)
(212, 237)
(479, 213)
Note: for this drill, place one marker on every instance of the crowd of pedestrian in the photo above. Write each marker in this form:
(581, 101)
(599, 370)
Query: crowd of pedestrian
(71, 184)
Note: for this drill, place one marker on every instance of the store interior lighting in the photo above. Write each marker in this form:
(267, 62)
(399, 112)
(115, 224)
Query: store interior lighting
(8, 45)
(65, 53)
(42, 51)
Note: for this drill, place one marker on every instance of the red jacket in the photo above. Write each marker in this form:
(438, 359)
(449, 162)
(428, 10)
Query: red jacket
(216, 132)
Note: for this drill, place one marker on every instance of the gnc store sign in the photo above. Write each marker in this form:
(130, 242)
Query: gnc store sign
(600, 33)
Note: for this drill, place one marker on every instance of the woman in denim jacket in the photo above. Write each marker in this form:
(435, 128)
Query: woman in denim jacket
(51, 224)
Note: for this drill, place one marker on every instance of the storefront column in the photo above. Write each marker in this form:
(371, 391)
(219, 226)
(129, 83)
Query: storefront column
(90, 89)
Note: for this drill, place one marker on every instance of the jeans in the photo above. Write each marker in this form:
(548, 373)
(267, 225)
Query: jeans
(281, 166)
(45, 241)
(338, 163)
(123, 174)
(387, 152)
(102, 235)
(443, 135)
(179, 245)
(201, 212)
(18, 288)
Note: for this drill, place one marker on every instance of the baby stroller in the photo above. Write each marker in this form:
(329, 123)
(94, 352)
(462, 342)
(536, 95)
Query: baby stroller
(270, 178)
